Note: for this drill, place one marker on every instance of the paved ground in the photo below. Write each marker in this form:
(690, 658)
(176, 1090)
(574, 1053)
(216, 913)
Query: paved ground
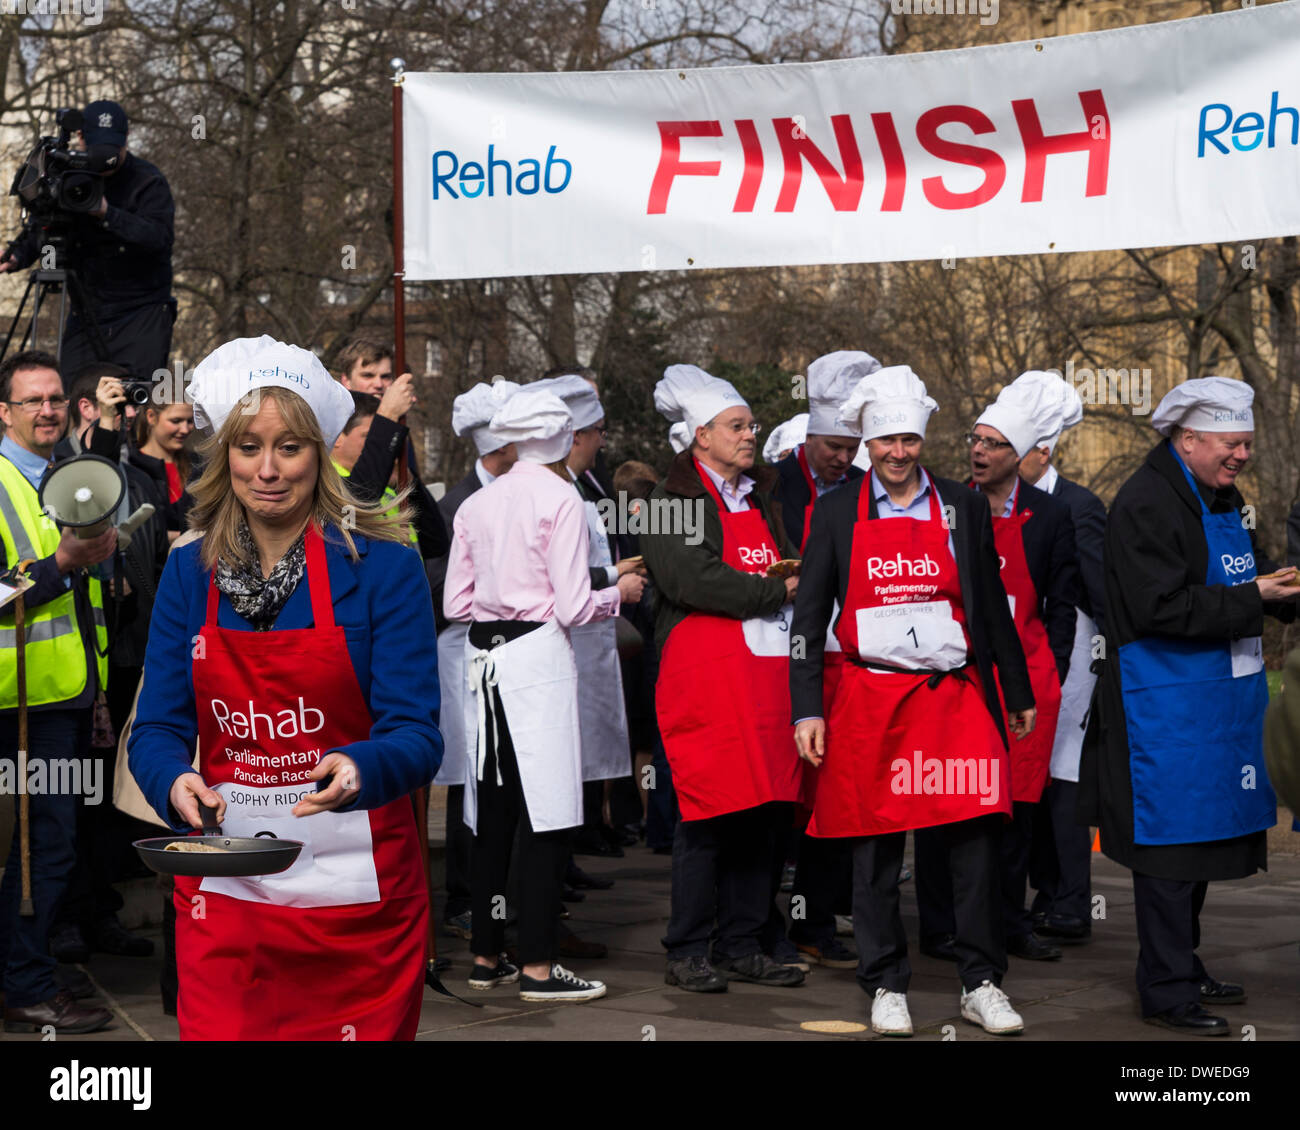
(1251, 933)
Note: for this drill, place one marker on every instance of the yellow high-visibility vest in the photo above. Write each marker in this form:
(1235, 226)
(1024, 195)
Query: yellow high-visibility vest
(389, 494)
(55, 654)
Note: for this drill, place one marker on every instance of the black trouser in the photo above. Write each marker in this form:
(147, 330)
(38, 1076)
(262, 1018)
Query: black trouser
(25, 961)
(722, 871)
(1168, 911)
(773, 933)
(971, 853)
(934, 879)
(824, 870)
(102, 833)
(1060, 860)
(138, 340)
(460, 842)
(503, 809)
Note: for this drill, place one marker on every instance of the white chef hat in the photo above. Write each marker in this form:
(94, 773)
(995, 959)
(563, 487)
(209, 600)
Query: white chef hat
(787, 434)
(234, 369)
(473, 409)
(830, 380)
(537, 422)
(1033, 410)
(688, 393)
(679, 436)
(1206, 404)
(888, 402)
(578, 394)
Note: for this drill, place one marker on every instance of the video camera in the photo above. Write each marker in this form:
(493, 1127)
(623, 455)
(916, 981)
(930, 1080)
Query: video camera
(57, 182)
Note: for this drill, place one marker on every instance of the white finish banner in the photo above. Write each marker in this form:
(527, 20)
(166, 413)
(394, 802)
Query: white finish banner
(1170, 133)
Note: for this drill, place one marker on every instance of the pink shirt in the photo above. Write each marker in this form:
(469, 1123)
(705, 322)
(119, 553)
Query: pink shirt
(519, 552)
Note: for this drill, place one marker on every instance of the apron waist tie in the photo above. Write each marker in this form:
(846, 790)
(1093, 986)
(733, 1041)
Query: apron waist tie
(935, 677)
(482, 682)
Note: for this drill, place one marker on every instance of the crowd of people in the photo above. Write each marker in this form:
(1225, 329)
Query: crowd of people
(756, 667)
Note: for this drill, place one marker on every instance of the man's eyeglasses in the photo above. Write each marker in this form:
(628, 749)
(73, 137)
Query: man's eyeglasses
(735, 429)
(33, 404)
(986, 442)
(603, 431)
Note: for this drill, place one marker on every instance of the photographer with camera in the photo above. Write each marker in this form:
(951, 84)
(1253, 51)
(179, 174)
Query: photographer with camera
(111, 221)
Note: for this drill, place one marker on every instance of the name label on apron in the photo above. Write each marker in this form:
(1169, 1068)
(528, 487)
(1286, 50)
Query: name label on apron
(921, 635)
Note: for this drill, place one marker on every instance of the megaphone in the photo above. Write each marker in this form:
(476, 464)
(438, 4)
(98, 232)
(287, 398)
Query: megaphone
(83, 493)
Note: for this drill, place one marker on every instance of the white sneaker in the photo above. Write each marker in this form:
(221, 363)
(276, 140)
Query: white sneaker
(561, 985)
(843, 926)
(889, 1015)
(989, 1007)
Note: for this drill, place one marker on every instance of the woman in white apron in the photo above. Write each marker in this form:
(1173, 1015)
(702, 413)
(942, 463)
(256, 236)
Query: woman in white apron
(518, 573)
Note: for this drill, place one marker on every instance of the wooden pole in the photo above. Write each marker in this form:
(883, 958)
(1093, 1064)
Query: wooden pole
(26, 908)
(399, 257)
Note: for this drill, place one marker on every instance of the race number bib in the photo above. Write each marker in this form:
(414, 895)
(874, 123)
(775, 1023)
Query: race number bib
(769, 635)
(920, 636)
(1247, 657)
(336, 866)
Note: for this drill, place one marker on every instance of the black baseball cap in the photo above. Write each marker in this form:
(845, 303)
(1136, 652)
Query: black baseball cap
(104, 123)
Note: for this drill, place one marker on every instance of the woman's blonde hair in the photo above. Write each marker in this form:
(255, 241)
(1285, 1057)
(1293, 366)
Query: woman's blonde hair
(218, 512)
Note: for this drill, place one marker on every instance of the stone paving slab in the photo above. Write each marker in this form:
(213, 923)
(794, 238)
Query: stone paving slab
(1251, 931)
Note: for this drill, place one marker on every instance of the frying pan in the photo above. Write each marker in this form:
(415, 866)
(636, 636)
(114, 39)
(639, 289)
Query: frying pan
(262, 854)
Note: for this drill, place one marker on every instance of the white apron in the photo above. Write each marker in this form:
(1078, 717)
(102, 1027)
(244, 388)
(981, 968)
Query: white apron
(537, 681)
(1076, 695)
(453, 676)
(602, 714)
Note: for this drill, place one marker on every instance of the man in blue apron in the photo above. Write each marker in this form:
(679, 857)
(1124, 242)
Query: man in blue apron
(1173, 767)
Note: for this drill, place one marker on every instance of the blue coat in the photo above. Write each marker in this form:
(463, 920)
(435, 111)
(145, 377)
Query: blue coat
(382, 603)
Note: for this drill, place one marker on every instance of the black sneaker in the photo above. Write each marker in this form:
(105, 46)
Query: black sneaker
(503, 973)
(68, 945)
(561, 985)
(695, 975)
(759, 969)
(108, 935)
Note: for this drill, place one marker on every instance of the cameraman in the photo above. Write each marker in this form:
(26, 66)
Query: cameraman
(122, 252)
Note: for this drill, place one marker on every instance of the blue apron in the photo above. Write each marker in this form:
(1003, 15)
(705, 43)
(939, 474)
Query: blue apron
(1195, 716)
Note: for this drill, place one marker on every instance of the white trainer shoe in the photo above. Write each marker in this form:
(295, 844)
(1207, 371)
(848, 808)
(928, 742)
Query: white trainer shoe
(990, 1008)
(889, 1015)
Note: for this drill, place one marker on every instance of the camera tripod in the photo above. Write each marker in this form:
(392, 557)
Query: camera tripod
(66, 283)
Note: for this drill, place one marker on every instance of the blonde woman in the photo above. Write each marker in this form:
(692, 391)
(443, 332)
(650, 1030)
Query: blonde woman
(295, 640)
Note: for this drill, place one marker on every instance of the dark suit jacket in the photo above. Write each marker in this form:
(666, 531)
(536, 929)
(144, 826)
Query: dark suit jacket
(436, 568)
(1053, 562)
(825, 577)
(591, 489)
(793, 494)
(1088, 513)
(374, 467)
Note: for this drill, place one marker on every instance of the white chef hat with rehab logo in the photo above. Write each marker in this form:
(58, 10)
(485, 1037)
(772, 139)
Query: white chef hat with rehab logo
(830, 380)
(890, 401)
(1033, 410)
(688, 393)
(538, 423)
(679, 437)
(1206, 404)
(474, 408)
(236, 368)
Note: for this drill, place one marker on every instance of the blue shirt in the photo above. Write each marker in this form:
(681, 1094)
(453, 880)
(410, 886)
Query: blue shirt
(918, 508)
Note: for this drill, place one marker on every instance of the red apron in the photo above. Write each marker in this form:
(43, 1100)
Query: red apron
(1032, 755)
(832, 656)
(902, 753)
(723, 695)
(333, 948)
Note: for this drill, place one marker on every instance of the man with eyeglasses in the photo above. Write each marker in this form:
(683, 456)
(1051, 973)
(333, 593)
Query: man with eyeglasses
(66, 664)
(722, 626)
(1039, 566)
